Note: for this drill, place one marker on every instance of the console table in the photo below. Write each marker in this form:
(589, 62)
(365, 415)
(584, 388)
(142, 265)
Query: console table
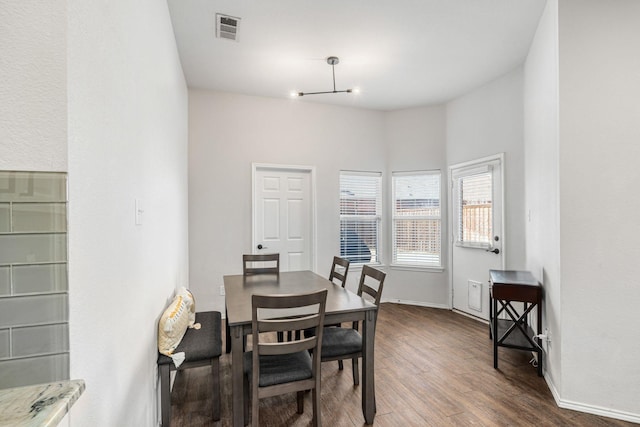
(513, 330)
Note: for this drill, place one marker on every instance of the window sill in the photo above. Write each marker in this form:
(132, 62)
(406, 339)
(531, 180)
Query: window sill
(417, 268)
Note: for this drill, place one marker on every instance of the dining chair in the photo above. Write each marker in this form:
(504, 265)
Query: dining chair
(284, 367)
(346, 343)
(269, 264)
(341, 276)
(339, 270)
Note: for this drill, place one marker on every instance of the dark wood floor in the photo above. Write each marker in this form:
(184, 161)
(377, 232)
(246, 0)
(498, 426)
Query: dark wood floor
(433, 368)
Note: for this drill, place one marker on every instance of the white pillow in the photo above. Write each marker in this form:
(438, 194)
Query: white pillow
(175, 320)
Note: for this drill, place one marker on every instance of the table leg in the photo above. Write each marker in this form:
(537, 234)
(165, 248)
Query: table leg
(494, 304)
(227, 331)
(539, 340)
(236, 376)
(368, 386)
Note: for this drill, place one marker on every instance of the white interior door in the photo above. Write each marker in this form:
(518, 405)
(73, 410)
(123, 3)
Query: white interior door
(283, 215)
(477, 232)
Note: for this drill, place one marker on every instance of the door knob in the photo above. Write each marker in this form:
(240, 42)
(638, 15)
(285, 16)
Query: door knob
(495, 251)
(261, 247)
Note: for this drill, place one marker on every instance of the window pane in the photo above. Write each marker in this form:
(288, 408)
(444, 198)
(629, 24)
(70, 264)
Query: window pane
(475, 204)
(360, 206)
(417, 195)
(416, 219)
(417, 242)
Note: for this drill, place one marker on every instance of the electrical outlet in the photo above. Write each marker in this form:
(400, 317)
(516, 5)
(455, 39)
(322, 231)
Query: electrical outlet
(222, 290)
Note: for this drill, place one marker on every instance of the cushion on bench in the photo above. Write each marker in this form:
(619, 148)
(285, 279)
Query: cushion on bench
(200, 344)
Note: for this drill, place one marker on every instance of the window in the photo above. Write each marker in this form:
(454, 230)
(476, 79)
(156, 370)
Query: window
(475, 211)
(360, 207)
(416, 219)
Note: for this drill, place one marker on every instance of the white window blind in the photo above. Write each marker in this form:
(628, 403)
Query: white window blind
(416, 219)
(475, 208)
(360, 214)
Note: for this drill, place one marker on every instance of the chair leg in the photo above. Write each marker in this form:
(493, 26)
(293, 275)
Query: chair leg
(245, 392)
(315, 395)
(356, 375)
(340, 365)
(215, 372)
(165, 394)
(300, 402)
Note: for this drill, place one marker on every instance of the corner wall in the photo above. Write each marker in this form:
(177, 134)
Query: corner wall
(415, 139)
(127, 109)
(599, 178)
(542, 204)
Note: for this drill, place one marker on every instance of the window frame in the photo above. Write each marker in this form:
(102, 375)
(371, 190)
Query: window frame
(376, 218)
(396, 219)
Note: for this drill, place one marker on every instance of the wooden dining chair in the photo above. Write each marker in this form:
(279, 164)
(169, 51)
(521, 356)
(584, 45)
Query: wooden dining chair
(284, 367)
(268, 264)
(346, 343)
(339, 270)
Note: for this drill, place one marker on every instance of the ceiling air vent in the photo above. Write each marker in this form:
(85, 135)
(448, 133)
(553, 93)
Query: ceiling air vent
(227, 27)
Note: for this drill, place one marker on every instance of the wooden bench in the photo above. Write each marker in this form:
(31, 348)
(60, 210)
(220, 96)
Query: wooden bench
(201, 347)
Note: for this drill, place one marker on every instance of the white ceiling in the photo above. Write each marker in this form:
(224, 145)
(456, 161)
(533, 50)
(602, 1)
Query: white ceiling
(398, 53)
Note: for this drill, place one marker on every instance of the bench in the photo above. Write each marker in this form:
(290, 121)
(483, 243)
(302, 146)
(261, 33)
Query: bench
(202, 347)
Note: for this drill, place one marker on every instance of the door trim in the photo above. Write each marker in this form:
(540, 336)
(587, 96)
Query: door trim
(311, 170)
(500, 157)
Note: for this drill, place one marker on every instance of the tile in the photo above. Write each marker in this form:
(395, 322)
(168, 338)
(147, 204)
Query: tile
(33, 310)
(35, 370)
(5, 281)
(5, 218)
(37, 340)
(32, 248)
(39, 217)
(28, 279)
(4, 344)
(33, 186)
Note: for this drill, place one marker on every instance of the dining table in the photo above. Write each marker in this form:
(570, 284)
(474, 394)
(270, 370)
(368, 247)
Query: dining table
(342, 305)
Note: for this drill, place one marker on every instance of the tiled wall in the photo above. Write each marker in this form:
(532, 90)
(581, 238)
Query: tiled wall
(34, 332)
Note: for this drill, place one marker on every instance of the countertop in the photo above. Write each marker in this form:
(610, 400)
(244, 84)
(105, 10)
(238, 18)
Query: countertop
(41, 405)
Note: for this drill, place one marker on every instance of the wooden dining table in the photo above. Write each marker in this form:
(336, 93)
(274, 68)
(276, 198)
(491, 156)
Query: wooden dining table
(342, 306)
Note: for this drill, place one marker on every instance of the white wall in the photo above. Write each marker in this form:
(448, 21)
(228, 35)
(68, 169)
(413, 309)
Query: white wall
(227, 133)
(127, 108)
(487, 121)
(33, 86)
(599, 177)
(542, 204)
(416, 140)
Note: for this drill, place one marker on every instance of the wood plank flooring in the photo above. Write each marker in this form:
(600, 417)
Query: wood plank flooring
(433, 368)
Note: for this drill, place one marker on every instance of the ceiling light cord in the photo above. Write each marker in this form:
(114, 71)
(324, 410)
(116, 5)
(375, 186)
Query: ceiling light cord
(332, 60)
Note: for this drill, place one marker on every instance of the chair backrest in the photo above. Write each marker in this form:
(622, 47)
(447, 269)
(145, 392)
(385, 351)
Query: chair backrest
(339, 273)
(269, 264)
(371, 282)
(313, 304)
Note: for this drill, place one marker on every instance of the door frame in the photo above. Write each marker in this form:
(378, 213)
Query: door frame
(311, 170)
(494, 157)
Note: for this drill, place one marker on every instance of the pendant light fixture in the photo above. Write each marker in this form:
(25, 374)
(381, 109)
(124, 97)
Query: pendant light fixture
(333, 61)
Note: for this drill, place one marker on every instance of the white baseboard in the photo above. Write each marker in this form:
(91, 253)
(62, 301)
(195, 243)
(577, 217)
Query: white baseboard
(418, 303)
(470, 316)
(590, 409)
